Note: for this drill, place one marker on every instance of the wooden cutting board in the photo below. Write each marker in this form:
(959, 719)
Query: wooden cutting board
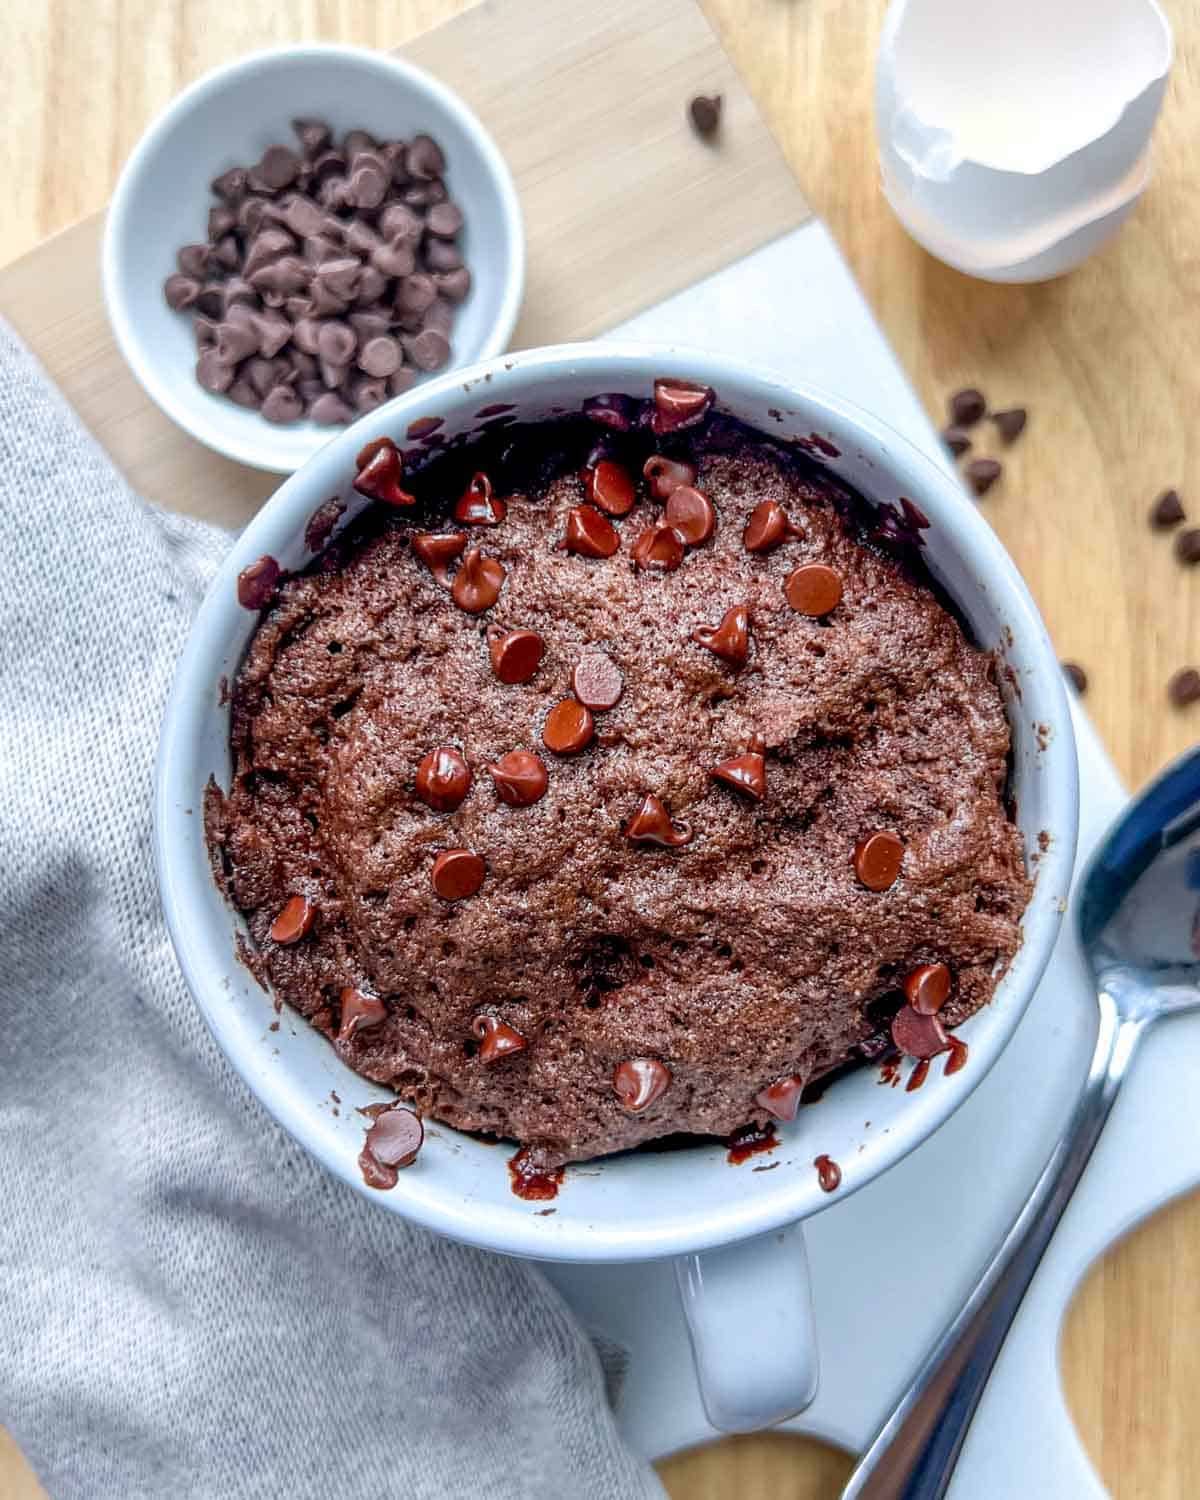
(624, 204)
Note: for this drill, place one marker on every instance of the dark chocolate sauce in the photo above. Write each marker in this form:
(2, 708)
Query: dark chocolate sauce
(749, 1141)
(533, 1187)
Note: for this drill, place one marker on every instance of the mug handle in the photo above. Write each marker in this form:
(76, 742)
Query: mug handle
(750, 1320)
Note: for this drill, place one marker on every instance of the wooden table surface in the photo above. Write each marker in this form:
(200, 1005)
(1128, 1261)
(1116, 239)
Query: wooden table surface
(1104, 361)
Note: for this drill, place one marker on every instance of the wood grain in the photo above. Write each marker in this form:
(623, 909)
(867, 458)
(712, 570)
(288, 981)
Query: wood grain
(1103, 360)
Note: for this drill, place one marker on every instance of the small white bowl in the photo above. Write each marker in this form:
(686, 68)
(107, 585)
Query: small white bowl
(228, 118)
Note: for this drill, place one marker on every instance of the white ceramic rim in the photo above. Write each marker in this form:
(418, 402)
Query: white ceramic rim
(710, 1222)
(153, 381)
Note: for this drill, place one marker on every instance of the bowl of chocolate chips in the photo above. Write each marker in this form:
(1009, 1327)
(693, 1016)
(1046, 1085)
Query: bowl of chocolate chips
(612, 805)
(303, 236)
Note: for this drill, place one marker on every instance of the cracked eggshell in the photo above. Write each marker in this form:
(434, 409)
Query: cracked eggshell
(1011, 145)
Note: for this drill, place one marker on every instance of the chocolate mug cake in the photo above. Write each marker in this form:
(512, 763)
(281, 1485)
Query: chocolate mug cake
(616, 776)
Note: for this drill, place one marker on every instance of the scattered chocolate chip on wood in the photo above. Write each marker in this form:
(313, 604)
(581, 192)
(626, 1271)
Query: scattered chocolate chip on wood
(1077, 677)
(1167, 511)
(982, 474)
(1184, 687)
(1011, 423)
(967, 407)
(1187, 546)
(705, 114)
(956, 439)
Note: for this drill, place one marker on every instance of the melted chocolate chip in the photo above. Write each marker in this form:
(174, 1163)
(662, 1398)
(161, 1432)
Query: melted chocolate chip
(360, 1011)
(767, 527)
(746, 772)
(877, 860)
(496, 1038)
(393, 1142)
(596, 681)
(294, 921)
(814, 590)
(610, 488)
(679, 404)
(639, 1081)
(520, 778)
(781, 1098)
(666, 475)
(478, 506)
(652, 824)
(1011, 423)
(569, 728)
(477, 583)
(967, 407)
(614, 411)
(443, 779)
(380, 466)
(829, 1174)
(918, 1035)
(457, 874)
(927, 988)
(515, 654)
(659, 549)
(956, 439)
(438, 550)
(982, 474)
(691, 514)
(589, 533)
(257, 583)
(730, 640)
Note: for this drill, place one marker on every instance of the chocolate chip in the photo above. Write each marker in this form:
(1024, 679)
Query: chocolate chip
(235, 342)
(457, 874)
(967, 407)
(429, 350)
(927, 988)
(213, 373)
(477, 506)
(679, 404)
(231, 185)
(279, 167)
(180, 291)
(690, 512)
(423, 159)
(328, 410)
(746, 772)
(1187, 546)
(767, 527)
(497, 1039)
(242, 393)
(294, 921)
(444, 220)
(659, 549)
(1184, 687)
(455, 284)
(569, 727)
(443, 779)
(652, 824)
(665, 475)
(596, 681)
(477, 583)
(358, 140)
(612, 410)
(705, 113)
(261, 373)
(266, 246)
(368, 184)
(379, 469)
(395, 1138)
(610, 487)
(982, 474)
(814, 589)
(398, 224)
(366, 393)
(380, 357)
(360, 1011)
(781, 1098)
(589, 534)
(1077, 676)
(877, 860)
(313, 135)
(192, 260)
(257, 583)
(521, 778)
(438, 550)
(515, 654)
(282, 405)
(956, 439)
(639, 1082)
(1011, 423)
(730, 640)
(1167, 510)
(918, 1035)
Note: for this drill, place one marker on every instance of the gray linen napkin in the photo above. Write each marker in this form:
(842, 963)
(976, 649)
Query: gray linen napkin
(189, 1306)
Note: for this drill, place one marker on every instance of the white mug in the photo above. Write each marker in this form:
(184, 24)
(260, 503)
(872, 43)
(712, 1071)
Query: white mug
(735, 1233)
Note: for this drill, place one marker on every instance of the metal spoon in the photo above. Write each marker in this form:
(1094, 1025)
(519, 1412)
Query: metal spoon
(1138, 914)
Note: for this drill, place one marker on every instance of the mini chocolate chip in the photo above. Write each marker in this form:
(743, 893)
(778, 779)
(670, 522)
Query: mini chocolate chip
(1184, 687)
(652, 824)
(956, 439)
(515, 654)
(477, 583)
(457, 874)
(379, 469)
(1011, 423)
(927, 988)
(967, 407)
(395, 1138)
(918, 1035)
(294, 921)
(877, 860)
(1187, 546)
(257, 583)
(639, 1082)
(596, 681)
(659, 549)
(497, 1039)
(781, 1098)
(438, 550)
(360, 1011)
(746, 772)
(665, 475)
(569, 727)
(705, 113)
(730, 640)
(767, 527)
(589, 533)
(982, 474)
(690, 512)
(443, 779)
(521, 778)
(814, 589)
(477, 506)
(609, 487)
(1076, 675)
(679, 404)
(1167, 510)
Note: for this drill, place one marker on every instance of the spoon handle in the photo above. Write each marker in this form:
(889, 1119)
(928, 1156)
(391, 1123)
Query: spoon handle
(915, 1452)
